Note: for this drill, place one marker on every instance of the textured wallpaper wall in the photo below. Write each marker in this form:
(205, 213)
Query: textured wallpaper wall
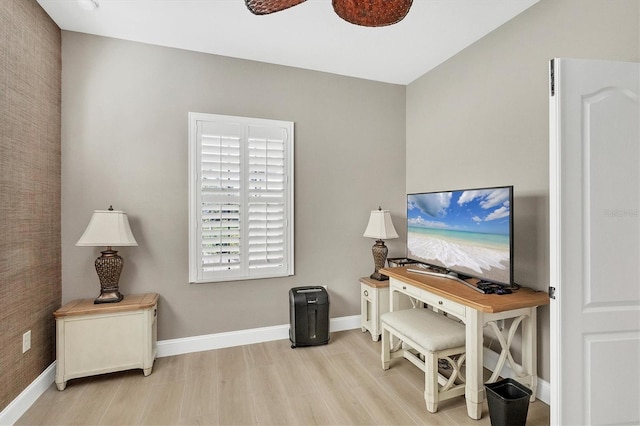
(30, 261)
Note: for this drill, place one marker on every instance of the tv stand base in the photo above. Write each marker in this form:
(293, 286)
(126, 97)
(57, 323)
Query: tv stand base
(449, 276)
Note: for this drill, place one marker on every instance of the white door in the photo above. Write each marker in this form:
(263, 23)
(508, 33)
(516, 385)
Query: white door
(595, 242)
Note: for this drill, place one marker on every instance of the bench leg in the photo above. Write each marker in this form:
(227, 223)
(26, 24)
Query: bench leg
(431, 381)
(385, 351)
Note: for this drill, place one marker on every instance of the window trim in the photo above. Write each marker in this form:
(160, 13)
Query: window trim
(196, 274)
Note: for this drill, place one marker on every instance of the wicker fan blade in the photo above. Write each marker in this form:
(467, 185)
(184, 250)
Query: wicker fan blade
(264, 7)
(372, 13)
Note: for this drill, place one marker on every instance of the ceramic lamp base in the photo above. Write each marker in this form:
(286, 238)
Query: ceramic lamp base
(379, 251)
(109, 267)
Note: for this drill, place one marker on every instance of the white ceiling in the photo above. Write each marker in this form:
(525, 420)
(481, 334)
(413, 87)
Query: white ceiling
(309, 35)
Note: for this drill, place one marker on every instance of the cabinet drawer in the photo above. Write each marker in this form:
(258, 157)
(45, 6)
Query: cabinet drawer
(367, 292)
(443, 304)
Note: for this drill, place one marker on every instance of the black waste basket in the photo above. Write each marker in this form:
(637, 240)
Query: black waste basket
(309, 316)
(508, 402)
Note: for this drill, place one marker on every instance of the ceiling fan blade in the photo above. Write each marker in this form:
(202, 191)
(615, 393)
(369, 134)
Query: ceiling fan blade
(372, 13)
(264, 7)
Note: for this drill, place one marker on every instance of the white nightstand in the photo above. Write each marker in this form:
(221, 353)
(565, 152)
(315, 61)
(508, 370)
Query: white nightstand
(95, 339)
(374, 301)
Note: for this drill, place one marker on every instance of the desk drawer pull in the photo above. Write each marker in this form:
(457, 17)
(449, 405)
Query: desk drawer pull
(440, 302)
(366, 293)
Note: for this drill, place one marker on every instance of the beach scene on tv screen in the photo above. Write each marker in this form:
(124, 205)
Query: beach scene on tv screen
(465, 231)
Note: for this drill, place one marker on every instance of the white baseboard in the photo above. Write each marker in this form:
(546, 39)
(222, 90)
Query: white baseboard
(242, 337)
(21, 404)
(27, 397)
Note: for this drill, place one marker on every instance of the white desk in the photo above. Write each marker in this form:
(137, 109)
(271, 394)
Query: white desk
(476, 310)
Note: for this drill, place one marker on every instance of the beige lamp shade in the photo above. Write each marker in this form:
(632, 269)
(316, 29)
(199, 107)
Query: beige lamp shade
(108, 228)
(380, 226)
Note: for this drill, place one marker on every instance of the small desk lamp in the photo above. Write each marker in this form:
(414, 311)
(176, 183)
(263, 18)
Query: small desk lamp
(108, 228)
(381, 228)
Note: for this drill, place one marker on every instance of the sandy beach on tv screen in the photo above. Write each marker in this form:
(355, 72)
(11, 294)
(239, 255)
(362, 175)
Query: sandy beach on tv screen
(473, 259)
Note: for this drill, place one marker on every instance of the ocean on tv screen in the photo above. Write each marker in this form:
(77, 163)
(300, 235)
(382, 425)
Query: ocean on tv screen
(465, 231)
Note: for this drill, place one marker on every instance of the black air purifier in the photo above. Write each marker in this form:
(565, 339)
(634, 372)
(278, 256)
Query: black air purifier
(309, 316)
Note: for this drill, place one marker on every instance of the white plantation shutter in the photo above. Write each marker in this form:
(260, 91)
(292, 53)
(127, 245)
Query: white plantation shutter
(220, 196)
(241, 198)
(267, 180)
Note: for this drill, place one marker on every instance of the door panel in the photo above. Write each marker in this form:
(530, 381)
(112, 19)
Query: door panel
(606, 354)
(612, 188)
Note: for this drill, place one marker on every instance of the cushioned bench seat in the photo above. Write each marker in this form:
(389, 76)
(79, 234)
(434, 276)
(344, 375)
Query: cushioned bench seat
(426, 336)
(428, 329)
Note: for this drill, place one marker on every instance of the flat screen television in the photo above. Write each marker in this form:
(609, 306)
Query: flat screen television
(468, 232)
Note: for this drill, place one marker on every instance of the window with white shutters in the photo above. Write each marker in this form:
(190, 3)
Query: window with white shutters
(240, 198)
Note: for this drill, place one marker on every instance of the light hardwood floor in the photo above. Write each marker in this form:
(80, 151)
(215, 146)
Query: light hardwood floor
(341, 383)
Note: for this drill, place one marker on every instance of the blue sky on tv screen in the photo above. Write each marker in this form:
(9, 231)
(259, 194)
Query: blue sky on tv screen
(484, 210)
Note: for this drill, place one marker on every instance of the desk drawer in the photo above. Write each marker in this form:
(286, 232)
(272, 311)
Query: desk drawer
(443, 304)
(405, 288)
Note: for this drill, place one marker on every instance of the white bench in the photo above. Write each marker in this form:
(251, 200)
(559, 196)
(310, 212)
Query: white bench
(425, 337)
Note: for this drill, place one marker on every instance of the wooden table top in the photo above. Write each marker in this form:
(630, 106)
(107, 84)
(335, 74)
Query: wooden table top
(130, 302)
(374, 283)
(453, 290)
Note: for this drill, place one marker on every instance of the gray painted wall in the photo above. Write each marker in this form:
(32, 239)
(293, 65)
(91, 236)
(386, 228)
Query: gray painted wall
(124, 142)
(481, 118)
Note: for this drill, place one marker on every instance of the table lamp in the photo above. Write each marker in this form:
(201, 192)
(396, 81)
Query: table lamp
(108, 228)
(381, 228)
